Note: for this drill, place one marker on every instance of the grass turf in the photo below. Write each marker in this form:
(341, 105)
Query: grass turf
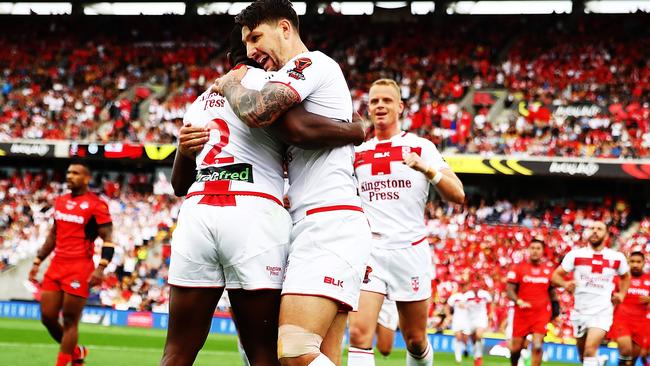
(27, 343)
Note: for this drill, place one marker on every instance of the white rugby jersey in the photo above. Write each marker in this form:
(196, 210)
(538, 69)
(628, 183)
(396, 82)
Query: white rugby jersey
(320, 179)
(457, 301)
(237, 159)
(594, 274)
(393, 195)
(477, 302)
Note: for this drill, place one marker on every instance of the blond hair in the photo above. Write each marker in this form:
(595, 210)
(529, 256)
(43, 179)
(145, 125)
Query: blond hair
(390, 83)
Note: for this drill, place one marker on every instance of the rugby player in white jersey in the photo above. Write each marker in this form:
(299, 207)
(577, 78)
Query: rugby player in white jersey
(330, 239)
(594, 268)
(395, 170)
(479, 302)
(458, 319)
(233, 231)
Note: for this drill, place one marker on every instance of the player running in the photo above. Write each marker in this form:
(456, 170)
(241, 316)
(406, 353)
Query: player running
(456, 310)
(233, 230)
(594, 267)
(79, 218)
(330, 239)
(631, 331)
(395, 170)
(529, 286)
(479, 304)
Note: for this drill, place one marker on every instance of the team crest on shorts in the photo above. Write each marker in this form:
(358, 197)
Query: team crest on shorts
(415, 283)
(75, 284)
(301, 64)
(366, 277)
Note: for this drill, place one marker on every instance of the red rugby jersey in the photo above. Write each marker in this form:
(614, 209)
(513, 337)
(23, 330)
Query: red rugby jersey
(631, 306)
(533, 282)
(77, 221)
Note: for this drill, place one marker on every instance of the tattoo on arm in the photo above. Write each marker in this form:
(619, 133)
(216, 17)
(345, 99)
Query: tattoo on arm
(259, 108)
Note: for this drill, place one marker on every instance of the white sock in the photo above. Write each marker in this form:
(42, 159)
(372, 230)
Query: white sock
(590, 361)
(425, 359)
(242, 353)
(458, 350)
(321, 360)
(478, 349)
(361, 357)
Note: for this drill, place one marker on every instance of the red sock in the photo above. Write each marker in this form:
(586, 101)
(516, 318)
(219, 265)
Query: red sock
(64, 359)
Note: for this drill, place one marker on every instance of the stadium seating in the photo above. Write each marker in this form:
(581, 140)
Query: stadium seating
(578, 89)
(475, 242)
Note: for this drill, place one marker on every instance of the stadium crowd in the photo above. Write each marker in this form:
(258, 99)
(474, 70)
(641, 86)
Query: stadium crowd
(475, 242)
(578, 89)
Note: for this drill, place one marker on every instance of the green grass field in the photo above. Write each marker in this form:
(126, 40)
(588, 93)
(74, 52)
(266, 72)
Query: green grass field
(27, 343)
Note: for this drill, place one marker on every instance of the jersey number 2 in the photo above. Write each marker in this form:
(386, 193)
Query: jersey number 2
(224, 136)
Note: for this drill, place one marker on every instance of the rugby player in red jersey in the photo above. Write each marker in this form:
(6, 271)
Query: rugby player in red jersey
(79, 218)
(529, 286)
(632, 333)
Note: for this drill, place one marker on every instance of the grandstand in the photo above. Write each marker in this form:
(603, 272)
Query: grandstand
(545, 118)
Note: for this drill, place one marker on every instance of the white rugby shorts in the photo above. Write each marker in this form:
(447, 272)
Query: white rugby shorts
(582, 322)
(388, 315)
(460, 323)
(402, 274)
(328, 255)
(244, 246)
(477, 320)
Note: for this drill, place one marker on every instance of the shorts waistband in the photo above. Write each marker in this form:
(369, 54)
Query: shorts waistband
(230, 197)
(333, 208)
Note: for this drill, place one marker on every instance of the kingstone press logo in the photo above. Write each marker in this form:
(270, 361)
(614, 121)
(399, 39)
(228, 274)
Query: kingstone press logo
(238, 172)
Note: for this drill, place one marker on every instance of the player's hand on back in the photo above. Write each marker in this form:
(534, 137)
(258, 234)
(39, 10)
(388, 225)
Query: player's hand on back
(645, 300)
(191, 140)
(233, 76)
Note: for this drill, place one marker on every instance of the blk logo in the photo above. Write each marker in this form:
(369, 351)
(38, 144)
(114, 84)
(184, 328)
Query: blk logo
(333, 282)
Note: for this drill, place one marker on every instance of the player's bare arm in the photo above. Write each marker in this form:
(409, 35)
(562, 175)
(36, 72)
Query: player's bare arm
(447, 184)
(555, 302)
(43, 252)
(558, 279)
(190, 141)
(108, 248)
(255, 108)
(511, 292)
(623, 286)
(311, 131)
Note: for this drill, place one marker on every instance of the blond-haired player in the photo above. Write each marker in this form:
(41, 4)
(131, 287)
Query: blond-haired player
(395, 170)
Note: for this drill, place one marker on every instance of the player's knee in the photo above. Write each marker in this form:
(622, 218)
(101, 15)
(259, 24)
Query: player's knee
(360, 336)
(70, 319)
(295, 341)
(590, 350)
(49, 319)
(416, 343)
(537, 346)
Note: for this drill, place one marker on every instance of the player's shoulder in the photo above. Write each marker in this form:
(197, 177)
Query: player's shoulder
(414, 140)
(256, 78)
(366, 145)
(63, 198)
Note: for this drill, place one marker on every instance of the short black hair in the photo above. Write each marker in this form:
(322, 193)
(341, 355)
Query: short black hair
(639, 253)
(82, 163)
(237, 54)
(265, 11)
(538, 239)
